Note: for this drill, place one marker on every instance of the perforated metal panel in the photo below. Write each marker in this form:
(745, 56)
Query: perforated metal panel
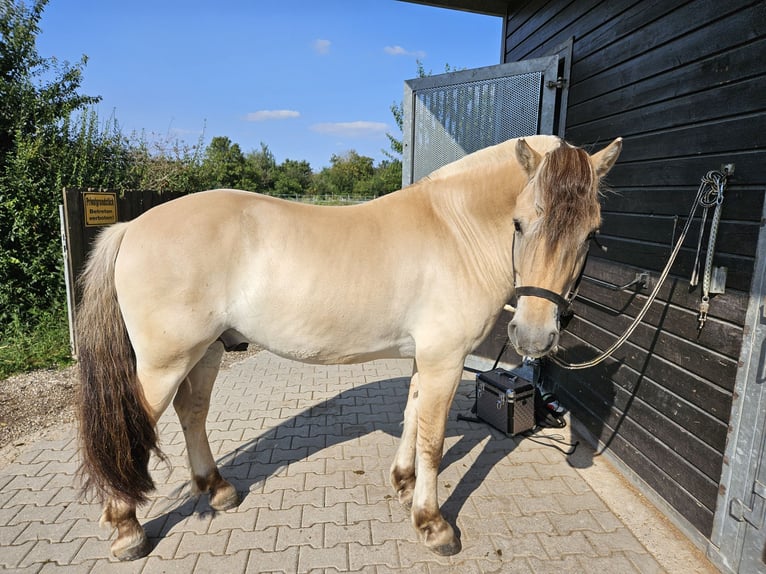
(451, 115)
(453, 121)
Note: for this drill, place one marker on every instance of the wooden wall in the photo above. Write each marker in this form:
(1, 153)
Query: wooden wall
(684, 84)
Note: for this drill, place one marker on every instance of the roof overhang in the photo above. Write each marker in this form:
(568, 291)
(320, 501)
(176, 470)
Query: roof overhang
(489, 7)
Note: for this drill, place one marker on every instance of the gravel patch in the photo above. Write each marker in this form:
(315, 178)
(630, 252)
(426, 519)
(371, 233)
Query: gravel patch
(41, 403)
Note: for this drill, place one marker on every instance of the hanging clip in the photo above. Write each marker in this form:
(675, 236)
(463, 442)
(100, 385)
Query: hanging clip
(702, 317)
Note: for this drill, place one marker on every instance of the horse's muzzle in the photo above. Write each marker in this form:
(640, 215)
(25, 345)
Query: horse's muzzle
(532, 341)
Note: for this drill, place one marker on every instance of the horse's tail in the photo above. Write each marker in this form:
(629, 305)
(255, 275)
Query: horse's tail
(117, 431)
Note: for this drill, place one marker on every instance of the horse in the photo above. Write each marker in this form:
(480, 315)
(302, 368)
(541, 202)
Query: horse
(420, 273)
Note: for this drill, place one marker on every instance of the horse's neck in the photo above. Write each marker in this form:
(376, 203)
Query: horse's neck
(478, 210)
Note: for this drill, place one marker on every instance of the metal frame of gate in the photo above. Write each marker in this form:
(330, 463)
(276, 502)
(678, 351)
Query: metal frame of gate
(738, 540)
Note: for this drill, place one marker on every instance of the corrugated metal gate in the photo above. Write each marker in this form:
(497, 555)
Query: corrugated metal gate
(452, 115)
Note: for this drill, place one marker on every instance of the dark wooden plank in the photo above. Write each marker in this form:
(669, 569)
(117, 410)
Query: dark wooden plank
(687, 171)
(652, 473)
(648, 51)
(646, 401)
(527, 42)
(734, 238)
(730, 306)
(735, 100)
(731, 136)
(653, 257)
(644, 465)
(615, 409)
(740, 203)
(704, 363)
(715, 71)
(535, 16)
(596, 304)
(615, 21)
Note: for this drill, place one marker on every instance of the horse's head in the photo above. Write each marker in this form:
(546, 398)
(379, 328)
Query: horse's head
(556, 216)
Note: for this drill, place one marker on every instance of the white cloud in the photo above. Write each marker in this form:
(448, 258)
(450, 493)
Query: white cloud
(351, 129)
(322, 46)
(399, 51)
(264, 115)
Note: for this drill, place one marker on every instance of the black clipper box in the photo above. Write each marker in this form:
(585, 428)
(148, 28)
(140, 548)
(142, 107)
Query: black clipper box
(506, 401)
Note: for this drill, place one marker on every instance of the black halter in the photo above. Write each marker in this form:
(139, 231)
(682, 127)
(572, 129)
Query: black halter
(562, 303)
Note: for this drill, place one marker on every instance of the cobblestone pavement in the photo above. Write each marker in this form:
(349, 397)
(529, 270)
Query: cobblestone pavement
(309, 450)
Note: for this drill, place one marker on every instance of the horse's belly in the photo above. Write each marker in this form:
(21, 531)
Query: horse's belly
(329, 346)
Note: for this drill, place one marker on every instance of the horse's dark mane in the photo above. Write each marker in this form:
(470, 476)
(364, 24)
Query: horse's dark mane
(569, 191)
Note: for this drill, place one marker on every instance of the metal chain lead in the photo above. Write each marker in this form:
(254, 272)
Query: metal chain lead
(716, 182)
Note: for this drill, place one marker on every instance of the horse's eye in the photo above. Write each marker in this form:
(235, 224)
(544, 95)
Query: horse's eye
(517, 225)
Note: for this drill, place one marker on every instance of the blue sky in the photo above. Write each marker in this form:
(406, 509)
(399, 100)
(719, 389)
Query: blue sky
(308, 78)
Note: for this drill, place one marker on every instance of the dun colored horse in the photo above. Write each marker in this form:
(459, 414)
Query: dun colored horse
(423, 272)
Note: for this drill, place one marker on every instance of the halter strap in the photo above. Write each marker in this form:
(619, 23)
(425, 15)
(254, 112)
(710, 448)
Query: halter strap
(561, 302)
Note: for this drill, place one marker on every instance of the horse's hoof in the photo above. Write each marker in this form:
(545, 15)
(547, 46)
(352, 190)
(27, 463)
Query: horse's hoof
(131, 548)
(224, 498)
(448, 549)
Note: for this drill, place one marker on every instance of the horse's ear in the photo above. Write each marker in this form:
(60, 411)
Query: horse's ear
(604, 160)
(528, 158)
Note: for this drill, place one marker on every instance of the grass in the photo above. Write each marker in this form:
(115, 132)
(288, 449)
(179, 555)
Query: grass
(43, 345)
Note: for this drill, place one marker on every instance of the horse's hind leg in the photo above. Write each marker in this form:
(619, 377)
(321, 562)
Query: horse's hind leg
(191, 403)
(403, 467)
(131, 543)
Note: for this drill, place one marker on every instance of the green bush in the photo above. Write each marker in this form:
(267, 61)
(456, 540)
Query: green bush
(41, 344)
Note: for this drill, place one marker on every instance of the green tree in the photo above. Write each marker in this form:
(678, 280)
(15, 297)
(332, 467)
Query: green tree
(346, 173)
(223, 164)
(37, 97)
(293, 178)
(261, 169)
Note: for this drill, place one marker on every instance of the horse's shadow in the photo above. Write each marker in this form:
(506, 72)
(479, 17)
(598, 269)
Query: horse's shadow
(328, 424)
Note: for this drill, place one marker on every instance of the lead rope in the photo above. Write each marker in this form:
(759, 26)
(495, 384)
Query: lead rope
(710, 179)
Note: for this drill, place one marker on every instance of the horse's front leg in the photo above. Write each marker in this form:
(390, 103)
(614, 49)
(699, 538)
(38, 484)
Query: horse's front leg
(403, 467)
(436, 389)
(191, 403)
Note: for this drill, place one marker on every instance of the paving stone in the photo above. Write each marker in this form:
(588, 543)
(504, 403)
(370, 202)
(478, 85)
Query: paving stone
(309, 449)
(566, 523)
(645, 563)
(52, 567)
(192, 543)
(309, 558)
(12, 555)
(384, 531)
(618, 540)
(45, 551)
(311, 535)
(268, 517)
(230, 520)
(614, 563)
(264, 540)
(386, 553)
(183, 565)
(558, 546)
(228, 564)
(335, 534)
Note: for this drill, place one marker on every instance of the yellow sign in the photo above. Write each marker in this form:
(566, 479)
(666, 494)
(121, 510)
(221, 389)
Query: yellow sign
(100, 209)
